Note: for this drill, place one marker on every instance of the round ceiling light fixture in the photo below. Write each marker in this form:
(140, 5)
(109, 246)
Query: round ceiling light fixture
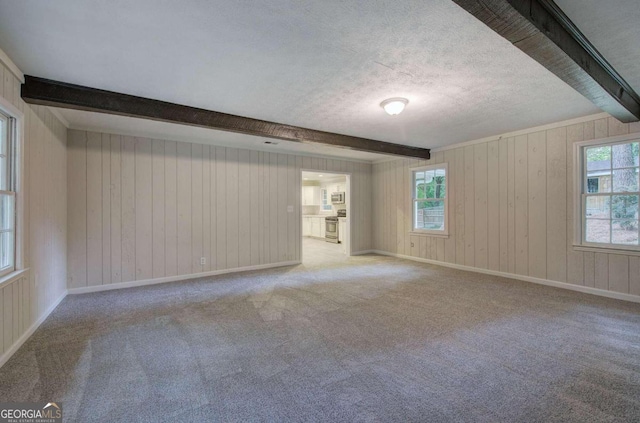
(394, 106)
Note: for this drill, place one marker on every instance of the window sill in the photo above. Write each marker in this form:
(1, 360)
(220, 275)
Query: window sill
(430, 234)
(606, 250)
(10, 278)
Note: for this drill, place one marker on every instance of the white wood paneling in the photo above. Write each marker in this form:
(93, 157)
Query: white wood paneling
(171, 208)
(480, 190)
(537, 215)
(521, 205)
(469, 206)
(94, 209)
(143, 209)
(178, 202)
(197, 240)
(556, 213)
(158, 208)
(493, 205)
(28, 298)
(116, 209)
(511, 209)
(184, 191)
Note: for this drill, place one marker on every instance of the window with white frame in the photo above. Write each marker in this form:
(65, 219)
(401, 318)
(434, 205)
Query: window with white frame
(609, 193)
(7, 195)
(429, 199)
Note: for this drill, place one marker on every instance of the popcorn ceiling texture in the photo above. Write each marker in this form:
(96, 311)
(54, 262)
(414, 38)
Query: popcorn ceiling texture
(323, 65)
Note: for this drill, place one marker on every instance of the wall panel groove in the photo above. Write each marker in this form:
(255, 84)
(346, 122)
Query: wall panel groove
(171, 203)
(510, 209)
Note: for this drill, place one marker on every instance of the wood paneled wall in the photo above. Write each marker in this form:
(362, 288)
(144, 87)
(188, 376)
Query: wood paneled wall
(143, 208)
(510, 209)
(27, 299)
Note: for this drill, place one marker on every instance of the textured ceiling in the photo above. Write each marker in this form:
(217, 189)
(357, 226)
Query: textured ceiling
(613, 27)
(322, 65)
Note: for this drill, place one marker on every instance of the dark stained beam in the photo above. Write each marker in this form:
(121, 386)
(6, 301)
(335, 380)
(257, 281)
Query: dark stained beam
(541, 30)
(59, 94)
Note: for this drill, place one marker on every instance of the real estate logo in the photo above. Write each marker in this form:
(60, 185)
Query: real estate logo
(30, 412)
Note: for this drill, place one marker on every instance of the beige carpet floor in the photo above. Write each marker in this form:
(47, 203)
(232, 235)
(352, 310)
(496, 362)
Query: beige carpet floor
(367, 339)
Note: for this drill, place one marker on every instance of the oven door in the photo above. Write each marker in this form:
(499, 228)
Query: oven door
(331, 230)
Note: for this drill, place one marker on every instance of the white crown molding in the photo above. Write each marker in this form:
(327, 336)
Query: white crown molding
(546, 127)
(579, 288)
(6, 60)
(146, 134)
(60, 117)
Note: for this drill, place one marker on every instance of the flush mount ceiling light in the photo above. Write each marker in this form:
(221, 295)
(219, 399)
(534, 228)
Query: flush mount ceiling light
(394, 106)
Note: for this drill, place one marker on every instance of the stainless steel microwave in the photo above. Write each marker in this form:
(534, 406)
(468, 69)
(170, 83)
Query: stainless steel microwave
(337, 198)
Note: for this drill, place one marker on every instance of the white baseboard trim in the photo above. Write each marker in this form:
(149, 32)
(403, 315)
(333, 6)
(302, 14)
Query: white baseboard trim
(16, 345)
(362, 252)
(133, 284)
(540, 281)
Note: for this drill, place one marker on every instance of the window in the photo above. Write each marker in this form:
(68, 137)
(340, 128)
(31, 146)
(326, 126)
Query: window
(325, 200)
(429, 199)
(7, 195)
(609, 189)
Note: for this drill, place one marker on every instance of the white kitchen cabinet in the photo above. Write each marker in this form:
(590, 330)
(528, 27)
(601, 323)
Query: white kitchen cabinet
(306, 226)
(311, 196)
(315, 226)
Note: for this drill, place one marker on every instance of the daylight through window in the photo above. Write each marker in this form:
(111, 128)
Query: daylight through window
(7, 195)
(430, 199)
(610, 194)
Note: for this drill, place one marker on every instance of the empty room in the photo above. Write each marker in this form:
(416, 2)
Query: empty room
(291, 211)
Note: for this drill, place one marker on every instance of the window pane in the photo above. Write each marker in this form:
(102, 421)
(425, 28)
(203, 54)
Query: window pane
(598, 231)
(624, 232)
(625, 155)
(6, 250)
(4, 174)
(599, 181)
(428, 176)
(420, 185)
(4, 151)
(4, 134)
(7, 203)
(429, 215)
(599, 207)
(624, 207)
(440, 181)
(625, 180)
(598, 158)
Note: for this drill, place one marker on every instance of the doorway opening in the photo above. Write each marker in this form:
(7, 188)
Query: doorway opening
(326, 225)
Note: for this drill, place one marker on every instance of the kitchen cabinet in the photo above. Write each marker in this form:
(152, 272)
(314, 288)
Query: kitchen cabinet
(306, 226)
(313, 226)
(311, 195)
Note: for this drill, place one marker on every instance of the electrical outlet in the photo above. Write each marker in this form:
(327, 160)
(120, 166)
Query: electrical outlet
(203, 261)
(289, 209)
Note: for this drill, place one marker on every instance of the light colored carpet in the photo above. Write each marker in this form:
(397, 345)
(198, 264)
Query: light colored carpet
(368, 339)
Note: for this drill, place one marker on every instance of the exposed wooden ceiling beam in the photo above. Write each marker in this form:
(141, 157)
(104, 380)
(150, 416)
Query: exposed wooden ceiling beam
(540, 29)
(60, 94)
